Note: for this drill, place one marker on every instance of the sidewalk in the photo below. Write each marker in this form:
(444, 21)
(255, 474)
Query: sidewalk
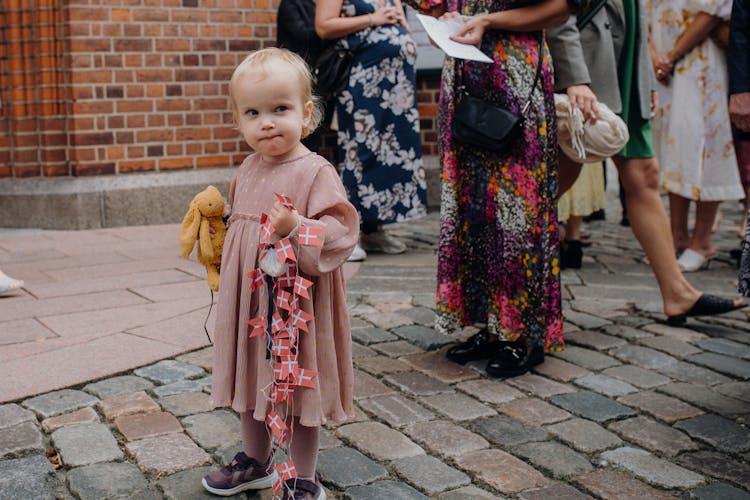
(103, 357)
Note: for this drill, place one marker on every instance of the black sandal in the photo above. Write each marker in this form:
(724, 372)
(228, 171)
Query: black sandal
(513, 359)
(706, 305)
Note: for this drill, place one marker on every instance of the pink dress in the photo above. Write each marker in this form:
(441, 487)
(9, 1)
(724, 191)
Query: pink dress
(242, 375)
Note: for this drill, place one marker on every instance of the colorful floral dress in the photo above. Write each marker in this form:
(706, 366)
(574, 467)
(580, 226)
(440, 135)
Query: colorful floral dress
(498, 257)
(694, 138)
(378, 124)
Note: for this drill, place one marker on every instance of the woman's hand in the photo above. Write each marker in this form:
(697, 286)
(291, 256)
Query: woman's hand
(654, 102)
(663, 67)
(472, 31)
(583, 98)
(388, 14)
(282, 219)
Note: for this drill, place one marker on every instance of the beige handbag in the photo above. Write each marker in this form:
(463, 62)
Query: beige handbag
(589, 142)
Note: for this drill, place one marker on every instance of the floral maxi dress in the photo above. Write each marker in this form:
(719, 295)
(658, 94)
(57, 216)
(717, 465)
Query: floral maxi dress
(498, 259)
(694, 138)
(378, 138)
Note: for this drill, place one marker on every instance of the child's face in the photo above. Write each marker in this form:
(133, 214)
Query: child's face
(271, 112)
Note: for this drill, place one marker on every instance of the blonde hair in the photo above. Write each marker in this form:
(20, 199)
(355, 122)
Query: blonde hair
(261, 60)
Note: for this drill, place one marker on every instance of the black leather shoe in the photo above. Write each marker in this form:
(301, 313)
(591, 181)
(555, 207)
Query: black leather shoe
(571, 254)
(513, 359)
(481, 345)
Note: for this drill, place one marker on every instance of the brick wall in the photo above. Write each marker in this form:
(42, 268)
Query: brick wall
(116, 86)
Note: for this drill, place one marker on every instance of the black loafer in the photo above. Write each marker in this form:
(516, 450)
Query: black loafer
(479, 346)
(513, 359)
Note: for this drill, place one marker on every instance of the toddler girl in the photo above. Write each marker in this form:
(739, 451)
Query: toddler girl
(282, 338)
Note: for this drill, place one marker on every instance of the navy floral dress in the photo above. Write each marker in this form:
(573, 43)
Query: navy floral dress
(378, 124)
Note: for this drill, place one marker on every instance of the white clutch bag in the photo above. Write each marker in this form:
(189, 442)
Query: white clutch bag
(587, 142)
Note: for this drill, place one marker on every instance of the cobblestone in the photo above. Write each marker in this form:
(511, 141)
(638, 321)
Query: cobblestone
(631, 409)
(167, 454)
(430, 474)
(116, 386)
(86, 444)
(20, 439)
(637, 376)
(717, 431)
(584, 435)
(717, 465)
(592, 406)
(663, 407)
(534, 412)
(83, 416)
(345, 467)
(168, 371)
(506, 431)
(457, 406)
(445, 438)
(656, 437)
(557, 459)
(58, 402)
(652, 469)
(379, 441)
(12, 415)
(29, 477)
(396, 410)
(108, 480)
(605, 385)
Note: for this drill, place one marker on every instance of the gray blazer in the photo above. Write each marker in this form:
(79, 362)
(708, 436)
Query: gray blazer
(591, 55)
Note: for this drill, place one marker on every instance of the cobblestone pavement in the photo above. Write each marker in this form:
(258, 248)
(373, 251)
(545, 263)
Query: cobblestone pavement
(631, 409)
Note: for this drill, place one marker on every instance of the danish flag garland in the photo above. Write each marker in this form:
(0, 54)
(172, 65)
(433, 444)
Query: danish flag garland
(281, 326)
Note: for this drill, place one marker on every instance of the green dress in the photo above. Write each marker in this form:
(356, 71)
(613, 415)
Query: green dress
(640, 144)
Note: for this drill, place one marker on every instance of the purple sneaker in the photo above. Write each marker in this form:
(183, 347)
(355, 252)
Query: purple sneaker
(244, 473)
(302, 489)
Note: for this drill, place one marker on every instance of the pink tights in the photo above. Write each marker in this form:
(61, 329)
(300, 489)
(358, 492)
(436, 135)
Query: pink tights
(256, 443)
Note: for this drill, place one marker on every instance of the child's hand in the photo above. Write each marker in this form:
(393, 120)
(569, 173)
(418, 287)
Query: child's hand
(282, 219)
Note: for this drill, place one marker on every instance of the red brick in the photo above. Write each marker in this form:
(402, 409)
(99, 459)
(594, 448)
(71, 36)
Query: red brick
(137, 166)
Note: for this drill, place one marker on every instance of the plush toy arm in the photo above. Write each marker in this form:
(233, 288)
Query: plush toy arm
(207, 248)
(189, 232)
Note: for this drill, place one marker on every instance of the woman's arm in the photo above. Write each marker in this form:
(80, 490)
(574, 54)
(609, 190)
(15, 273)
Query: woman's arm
(330, 24)
(544, 14)
(693, 36)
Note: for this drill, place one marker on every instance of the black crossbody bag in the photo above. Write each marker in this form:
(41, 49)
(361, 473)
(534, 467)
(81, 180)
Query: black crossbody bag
(479, 123)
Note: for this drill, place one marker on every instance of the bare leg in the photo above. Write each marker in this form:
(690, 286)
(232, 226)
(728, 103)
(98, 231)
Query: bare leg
(640, 179)
(567, 173)
(705, 215)
(679, 208)
(574, 228)
(743, 224)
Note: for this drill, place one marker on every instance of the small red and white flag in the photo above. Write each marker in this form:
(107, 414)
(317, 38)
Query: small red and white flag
(310, 236)
(286, 470)
(284, 200)
(257, 277)
(281, 392)
(276, 322)
(282, 300)
(286, 280)
(277, 425)
(304, 378)
(300, 318)
(301, 285)
(285, 250)
(266, 229)
(259, 326)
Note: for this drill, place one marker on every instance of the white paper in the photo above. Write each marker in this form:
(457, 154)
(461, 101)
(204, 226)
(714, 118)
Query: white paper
(440, 31)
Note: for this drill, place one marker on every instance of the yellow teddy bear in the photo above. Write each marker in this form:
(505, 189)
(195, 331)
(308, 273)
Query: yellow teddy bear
(206, 211)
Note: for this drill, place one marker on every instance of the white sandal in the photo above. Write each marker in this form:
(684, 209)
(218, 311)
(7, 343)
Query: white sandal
(691, 261)
(8, 284)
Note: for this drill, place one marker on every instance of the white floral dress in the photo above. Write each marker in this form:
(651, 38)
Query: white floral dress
(378, 138)
(692, 134)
